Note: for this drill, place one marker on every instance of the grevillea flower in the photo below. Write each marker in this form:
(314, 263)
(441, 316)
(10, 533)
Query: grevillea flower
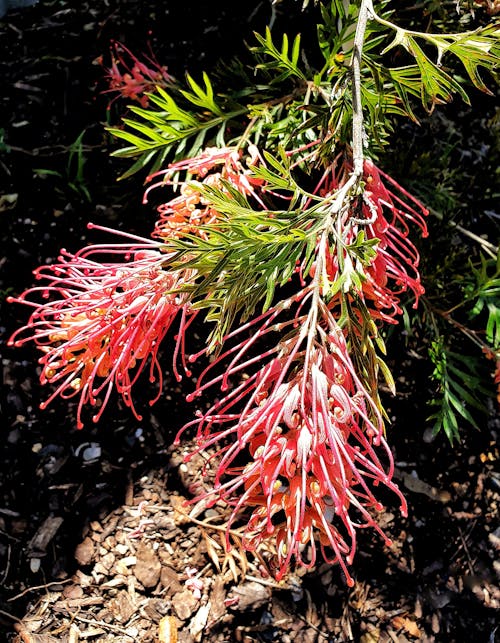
(131, 78)
(384, 213)
(397, 258)
(314, 435)
(98, 322)
(189, 212)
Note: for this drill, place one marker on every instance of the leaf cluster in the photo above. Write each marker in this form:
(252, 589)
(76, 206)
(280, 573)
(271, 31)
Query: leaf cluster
(248, 253)
(428, 78)
(483, 290)
(186, 119)
(459, 389)
(283, 99)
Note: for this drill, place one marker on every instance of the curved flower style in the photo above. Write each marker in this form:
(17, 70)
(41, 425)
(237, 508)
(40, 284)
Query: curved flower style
(130, 78)
(397, 258)
(314, 436)
(383, 214)
(102, 321)
(189, 212)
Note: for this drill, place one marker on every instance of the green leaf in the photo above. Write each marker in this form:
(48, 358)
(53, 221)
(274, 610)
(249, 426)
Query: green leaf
(436, 85)
(278, 59)
(203, 98)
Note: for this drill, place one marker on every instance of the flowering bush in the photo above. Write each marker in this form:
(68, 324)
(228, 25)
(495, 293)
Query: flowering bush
(284, 234)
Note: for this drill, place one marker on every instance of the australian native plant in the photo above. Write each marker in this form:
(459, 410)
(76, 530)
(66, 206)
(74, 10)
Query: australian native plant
(282, 232)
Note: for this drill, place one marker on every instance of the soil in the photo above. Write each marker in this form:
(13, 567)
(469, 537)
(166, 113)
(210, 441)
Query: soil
(95, 541)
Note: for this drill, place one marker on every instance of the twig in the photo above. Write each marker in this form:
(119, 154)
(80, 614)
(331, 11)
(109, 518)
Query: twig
(103, 624)
(51, 150)
(11, 616)
(7, 565)
(487, 246)
(269, 583)
(357, 111)
(468, 332)
(470, 563)
(37, 587)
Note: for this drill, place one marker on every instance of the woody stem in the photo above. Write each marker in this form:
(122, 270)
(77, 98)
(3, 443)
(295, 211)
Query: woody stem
(357, 110)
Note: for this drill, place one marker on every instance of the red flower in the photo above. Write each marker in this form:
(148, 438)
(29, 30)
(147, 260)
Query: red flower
(383, 214)
(397, 258)
(189, 212)
(314, 436)
(131, 78)
(100, 322)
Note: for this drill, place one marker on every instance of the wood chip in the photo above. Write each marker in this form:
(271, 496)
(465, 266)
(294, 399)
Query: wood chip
(84, 552)
(167, 630)
(73, 591)
(406, 624)
(249, 595)
(413, 483)
(45, 533)
(122, 607)
(148, 567)
(197, 624)
(372, 636)
(217, 596)
(184, 604)
(170, 580)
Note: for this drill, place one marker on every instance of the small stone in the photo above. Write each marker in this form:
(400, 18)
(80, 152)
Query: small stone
(184, 604)
(121, 549)
(100, 569)
(128, 561)
(133, 632)
(148, 567)
(84, 580)
(108, 560)
(109, 543)
(121, 569)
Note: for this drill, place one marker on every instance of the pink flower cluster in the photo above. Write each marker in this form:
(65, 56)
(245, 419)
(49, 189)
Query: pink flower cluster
(301, 409)
(97, 322)
(297, 436)
(315, 437)
(131, 78)
(190, 212)
(102, 313)
(383, 213)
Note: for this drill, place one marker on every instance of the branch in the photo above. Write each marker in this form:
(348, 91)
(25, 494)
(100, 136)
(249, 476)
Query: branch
(488, 248)
(357, 109)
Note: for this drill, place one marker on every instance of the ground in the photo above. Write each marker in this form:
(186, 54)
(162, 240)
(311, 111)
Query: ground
(95, 541)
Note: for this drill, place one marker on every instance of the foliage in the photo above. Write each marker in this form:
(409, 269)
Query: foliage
(281, 231)
(73, 176)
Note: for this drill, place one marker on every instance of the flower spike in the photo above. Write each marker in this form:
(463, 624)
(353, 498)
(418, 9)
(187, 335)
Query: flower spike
(97, 323)
(316, 442)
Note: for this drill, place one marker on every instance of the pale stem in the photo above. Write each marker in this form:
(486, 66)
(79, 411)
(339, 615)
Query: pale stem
(357, 110)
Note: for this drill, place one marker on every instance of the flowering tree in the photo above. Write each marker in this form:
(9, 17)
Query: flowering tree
(284, 235)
